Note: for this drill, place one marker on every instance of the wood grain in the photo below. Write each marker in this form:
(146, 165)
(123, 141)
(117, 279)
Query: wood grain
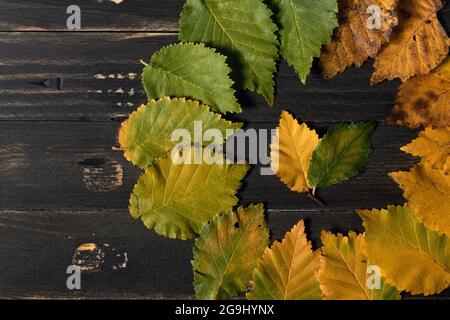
(63, 183)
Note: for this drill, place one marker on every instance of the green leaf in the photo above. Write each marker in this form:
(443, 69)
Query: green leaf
(287, 270)
(147, 133)
(305, 26)
(176, 200)
(243, 31)
(192, 71)
(227, 251)
(340, 155)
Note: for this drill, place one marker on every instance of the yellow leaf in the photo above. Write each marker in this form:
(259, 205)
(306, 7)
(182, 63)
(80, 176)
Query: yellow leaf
(433, 145)
(286, 271)
(428, 194)
(291, 152)
(344, 270)
(424, 100)
(411, 257)
(417, 45)
(354, 41)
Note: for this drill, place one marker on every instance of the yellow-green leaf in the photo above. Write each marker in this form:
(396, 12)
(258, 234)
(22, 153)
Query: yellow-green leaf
(176, 200)
(226, 252)
(344, 273)
(147, 134)
(411, 256)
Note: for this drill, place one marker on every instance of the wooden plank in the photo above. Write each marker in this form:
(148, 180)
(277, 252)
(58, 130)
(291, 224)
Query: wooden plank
(28, 59)
(98, 15)
(71, 165)
(104, 15)
(38, 246)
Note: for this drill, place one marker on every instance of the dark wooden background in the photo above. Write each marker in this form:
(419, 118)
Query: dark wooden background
(64, 183)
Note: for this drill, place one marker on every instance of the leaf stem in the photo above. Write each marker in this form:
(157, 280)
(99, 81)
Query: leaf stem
(315, 199)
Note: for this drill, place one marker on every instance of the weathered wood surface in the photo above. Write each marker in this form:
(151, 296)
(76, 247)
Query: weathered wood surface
(62, 183)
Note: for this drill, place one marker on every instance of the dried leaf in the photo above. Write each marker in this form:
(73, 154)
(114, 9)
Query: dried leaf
(340, 155)
(428, 194)
(226, 252)
(291, 152)
(147, 133)
(433, 145)
(243, 31)
(177, 200)
(424, 100)
(358, 37)
(305, 26)
(193, 71)
(286, 271)
(418, 44)
(343, 273)
(411, 257)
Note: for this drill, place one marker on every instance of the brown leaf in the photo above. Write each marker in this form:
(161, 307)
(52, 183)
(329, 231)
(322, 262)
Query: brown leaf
(424, 100)
(354, 42)
(417, 45)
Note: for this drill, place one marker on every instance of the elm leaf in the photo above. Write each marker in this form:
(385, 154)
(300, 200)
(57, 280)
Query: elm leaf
(192, 71)
(227, 250)
(340, 155)
(243, 31)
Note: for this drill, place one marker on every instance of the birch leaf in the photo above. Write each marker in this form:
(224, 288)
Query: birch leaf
(243, 31)
(343, 273)
(147, 134)
(428, 194)
(411, 257)
(291, 152)
(417, 45)
(340, 155)
(192, 71)
(226, 252)
(305, 26)
(177, 200)
(286, 270)
(433, 145)
(424, 100)
(354, 41)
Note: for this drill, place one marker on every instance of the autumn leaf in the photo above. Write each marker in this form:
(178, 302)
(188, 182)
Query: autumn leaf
(226, 252)
(343, 273)
(243, 31)
(417, 45)
(340, 155)
(176, 200)
(305, 26)
(433, 145)
(354, 40)
(291, 152)
(147, 134)
(286, 270)
(424, 100)
(411, 257)
(428, 194)
(193, 71)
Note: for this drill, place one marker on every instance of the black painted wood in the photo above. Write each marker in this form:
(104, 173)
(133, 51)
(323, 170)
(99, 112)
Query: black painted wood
(63, 183)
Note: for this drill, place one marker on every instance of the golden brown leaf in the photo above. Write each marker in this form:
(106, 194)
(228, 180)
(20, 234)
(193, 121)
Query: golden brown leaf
(410, 256)
(428, 194)
(417, 45)
(433, 145)
(344, 270)
(291, 152)
(354, 41)
(424, 100)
